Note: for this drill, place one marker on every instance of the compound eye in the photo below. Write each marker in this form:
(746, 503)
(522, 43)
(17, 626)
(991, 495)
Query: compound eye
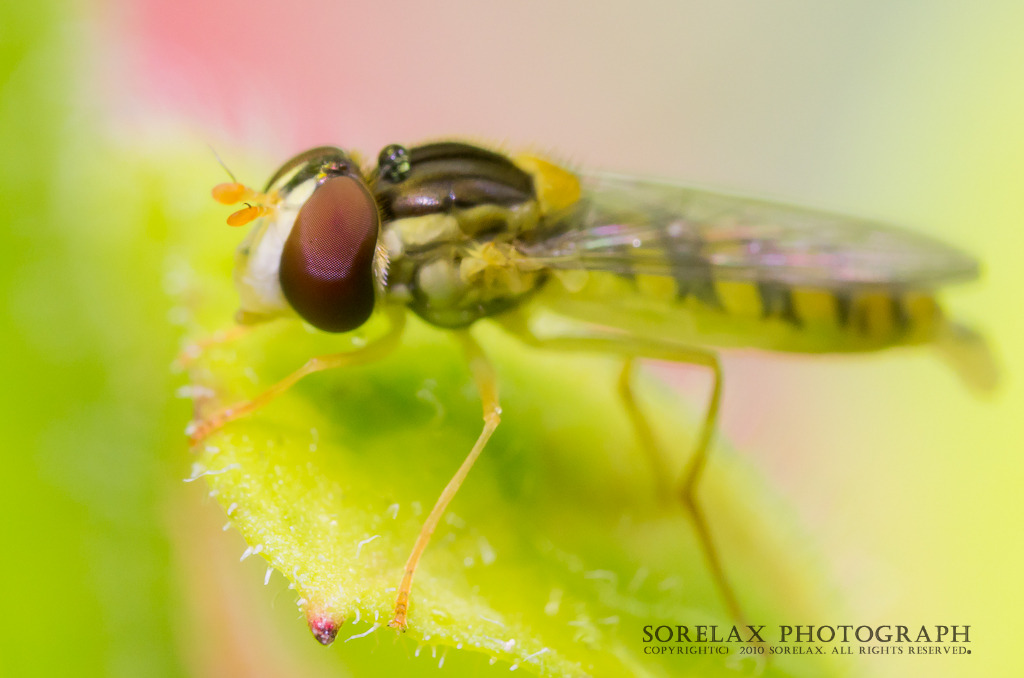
(327, 262)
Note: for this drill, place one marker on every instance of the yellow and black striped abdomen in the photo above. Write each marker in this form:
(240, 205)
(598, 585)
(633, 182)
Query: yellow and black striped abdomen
(770, 315)
(849, 319)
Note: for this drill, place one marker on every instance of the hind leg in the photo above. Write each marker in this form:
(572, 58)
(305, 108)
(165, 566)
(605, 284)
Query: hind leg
(686, 490)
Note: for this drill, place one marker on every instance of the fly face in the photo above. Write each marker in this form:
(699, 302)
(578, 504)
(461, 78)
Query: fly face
(314, 253)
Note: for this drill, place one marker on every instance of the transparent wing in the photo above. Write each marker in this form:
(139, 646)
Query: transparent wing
(630, 226)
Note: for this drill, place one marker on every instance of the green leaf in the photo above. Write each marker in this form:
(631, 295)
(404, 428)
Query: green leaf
(554, 554)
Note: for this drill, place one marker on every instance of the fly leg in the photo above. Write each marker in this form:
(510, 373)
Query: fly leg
(687, 487)
(605, 341)
(643, 431)
(487, 384)
(368, 354)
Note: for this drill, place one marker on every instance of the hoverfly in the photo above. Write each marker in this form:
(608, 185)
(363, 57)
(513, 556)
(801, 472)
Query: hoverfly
(456, 233)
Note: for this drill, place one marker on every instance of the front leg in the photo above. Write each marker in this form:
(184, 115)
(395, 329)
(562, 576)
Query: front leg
(371, 353)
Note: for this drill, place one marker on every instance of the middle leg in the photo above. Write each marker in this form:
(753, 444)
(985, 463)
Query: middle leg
(487, 384)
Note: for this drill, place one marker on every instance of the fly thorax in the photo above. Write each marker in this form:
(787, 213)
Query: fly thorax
(452, 269)
(451, 221)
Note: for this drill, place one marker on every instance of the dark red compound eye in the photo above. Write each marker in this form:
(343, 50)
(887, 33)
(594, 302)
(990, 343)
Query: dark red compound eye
(327, 262)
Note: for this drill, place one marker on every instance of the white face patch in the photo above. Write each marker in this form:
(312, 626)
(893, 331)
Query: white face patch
(258, 258)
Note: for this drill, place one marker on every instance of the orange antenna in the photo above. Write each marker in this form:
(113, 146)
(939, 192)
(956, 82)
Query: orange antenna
(234, 192)
(250, 213)
(230, 194)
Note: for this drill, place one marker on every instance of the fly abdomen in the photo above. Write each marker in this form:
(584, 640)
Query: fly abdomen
(772, 315)
(768, 313)
(856, 318)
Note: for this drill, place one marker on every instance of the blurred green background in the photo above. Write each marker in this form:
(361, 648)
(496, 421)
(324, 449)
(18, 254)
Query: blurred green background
(908, 112)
